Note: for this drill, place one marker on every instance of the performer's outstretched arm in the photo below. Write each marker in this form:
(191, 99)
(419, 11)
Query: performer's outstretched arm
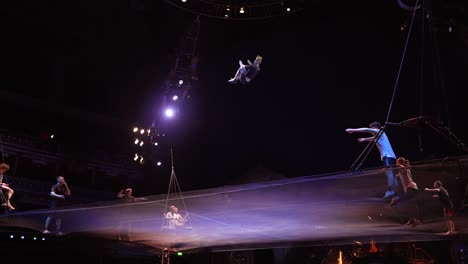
(362, 130)
(368, 139)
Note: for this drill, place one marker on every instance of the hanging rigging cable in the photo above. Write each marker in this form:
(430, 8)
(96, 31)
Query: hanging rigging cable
(372, 143)
(175, 190)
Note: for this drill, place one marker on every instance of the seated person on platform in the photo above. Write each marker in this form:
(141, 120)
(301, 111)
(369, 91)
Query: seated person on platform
(174, 218)
(4, 186)
(246, 73)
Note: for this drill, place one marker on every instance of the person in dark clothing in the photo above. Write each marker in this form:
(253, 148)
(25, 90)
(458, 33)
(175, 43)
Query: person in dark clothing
(58, 194)
(448, 210)
(246, 73)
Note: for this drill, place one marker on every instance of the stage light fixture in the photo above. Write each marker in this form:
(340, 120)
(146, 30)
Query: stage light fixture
(181, 82)
(35, 238)
(136, 141)
(142, 131)
(288, 9)
(159, 163)
(141, 143)
(169, 112)
(22, 237)
(241, 10)
(12, 236)
(43, 239)
(155, 143)
(136, 157)
(175, 97)
(135, 129)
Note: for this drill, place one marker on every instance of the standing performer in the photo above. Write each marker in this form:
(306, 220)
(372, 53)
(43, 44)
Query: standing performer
(58, 193)
(409, 186)
(5, 187)
(246, 73)
(444, 197)
(386, 153)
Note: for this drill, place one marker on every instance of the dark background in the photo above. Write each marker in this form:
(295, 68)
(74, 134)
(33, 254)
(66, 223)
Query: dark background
(325, 69)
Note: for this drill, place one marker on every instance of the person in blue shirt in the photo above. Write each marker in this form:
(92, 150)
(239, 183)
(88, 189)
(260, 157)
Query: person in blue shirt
(387, 155)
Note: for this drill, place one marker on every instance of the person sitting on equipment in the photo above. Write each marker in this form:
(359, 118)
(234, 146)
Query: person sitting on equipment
(175, 218)
(246, 73)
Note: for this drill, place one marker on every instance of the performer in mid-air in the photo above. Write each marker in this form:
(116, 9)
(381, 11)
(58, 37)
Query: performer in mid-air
(246, 73)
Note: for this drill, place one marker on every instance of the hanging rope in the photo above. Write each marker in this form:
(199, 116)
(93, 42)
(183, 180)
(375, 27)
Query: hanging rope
(372, 143)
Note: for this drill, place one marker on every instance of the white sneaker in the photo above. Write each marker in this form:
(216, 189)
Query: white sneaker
(46, 232)
(232, 80)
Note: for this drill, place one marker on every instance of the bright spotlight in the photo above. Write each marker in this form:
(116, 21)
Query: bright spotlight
(169, 112)
(148, 131)
(135, 129)
(159, 163)
(52, 136)
(155, 143)
(141, 143)
(136, 157)
(142, 131)
(175, 97)
(184, 1)
(181, 82)
(136, 141)
(288, 9)
(12, 236)
(22, 237)
(35, 238)
(43, 239)
(241, 10)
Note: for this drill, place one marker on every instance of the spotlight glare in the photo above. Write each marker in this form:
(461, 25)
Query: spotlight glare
(241, 10)
(52, 136)
(181, 82)
(22, 237)
(180, 254)
(175, 97)
(169, 112)
(135, 129)
(136, 157)
(148, 131)
(136, 141)
(184, 1)
(288, 9)
(43, 239)
(35, 238)
(141, 143)
(155, 143)
(159, 163)
(142, 131)
(12, 236)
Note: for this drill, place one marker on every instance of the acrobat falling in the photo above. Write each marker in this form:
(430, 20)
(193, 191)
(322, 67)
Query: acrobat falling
(246, 73)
